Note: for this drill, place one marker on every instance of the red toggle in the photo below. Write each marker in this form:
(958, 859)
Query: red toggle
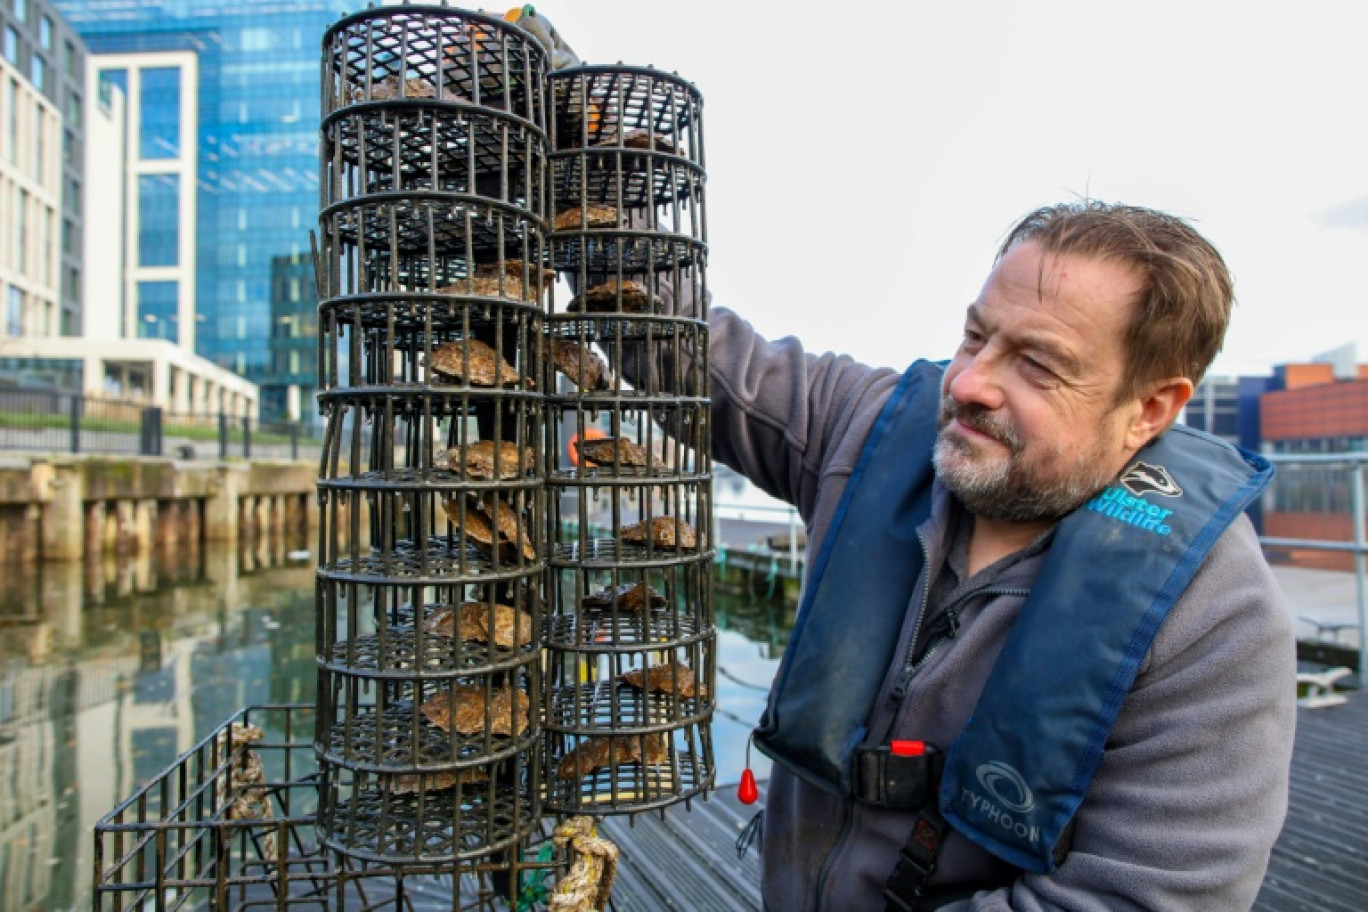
(907, 748)
(746, 792)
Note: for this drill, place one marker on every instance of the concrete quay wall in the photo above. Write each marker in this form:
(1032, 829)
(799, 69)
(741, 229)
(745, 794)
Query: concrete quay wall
(64, 507)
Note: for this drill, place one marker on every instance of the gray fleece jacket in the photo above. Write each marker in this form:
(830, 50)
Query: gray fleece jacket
(1192, 789)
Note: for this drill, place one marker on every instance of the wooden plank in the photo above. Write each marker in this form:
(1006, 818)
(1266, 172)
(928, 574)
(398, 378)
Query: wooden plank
(665, 864)
(1320, 861)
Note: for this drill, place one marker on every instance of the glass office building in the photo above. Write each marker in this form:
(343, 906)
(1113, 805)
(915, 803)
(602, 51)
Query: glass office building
(220, 209)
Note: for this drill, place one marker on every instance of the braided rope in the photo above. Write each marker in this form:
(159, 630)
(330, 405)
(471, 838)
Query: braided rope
(590, 881)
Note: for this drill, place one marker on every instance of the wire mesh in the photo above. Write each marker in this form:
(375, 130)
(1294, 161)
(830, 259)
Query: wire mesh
(631, 664)
(204, 834)
(433, 165)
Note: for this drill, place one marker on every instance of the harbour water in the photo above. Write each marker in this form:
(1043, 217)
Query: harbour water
(110, 669)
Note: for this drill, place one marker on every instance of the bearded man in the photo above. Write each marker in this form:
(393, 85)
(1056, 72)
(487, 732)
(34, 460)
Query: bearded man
(1040, 661)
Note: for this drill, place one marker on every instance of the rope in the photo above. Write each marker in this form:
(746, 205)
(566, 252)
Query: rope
(249, 798)
(763, 688)
(590, 881)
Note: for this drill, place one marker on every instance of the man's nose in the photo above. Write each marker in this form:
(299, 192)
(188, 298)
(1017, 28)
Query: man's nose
(976, 380)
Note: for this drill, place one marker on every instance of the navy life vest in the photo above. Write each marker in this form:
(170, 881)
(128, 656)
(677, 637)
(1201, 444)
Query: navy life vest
(1015, 776)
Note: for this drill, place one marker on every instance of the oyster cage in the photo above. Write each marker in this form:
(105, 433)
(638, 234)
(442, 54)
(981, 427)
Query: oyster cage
(231, 825)
(433, 291)
(631, 642)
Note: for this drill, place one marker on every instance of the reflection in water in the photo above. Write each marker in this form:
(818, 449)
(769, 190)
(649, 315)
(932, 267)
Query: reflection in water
(108, 671)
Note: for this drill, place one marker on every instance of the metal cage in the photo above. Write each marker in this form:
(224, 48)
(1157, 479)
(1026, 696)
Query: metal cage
(434, 163)
(631, 639)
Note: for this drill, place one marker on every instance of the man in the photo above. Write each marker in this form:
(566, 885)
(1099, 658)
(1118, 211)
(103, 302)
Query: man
(1157, 764)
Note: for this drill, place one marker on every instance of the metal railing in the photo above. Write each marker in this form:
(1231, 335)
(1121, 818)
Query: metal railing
(61, 422)
(1355, 464)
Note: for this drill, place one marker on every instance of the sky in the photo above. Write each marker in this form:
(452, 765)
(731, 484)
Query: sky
(864, 162)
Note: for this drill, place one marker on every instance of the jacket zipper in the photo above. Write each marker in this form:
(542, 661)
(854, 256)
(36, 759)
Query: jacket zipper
(912, 665)
(847, 819)
(900, 688)
(847, 815)
(910, 669)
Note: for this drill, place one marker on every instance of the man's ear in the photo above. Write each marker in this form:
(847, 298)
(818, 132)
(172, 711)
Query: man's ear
(1157, 408)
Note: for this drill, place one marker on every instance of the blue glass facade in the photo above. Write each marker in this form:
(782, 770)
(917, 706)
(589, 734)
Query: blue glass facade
(157, 303)
(158, 219)
(257, 183)
(160, 99)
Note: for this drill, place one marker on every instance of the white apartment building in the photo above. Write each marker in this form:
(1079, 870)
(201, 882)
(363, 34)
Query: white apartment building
(30, 201)
(138, 243)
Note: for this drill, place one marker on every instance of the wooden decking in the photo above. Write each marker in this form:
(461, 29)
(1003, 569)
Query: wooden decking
(1320, 863)
(687, 860)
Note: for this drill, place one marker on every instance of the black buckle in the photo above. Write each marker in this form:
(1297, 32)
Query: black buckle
(907, 883)
(916, 863)
(890, 780)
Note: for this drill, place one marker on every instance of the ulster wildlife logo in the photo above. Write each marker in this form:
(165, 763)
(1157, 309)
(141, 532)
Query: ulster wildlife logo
(1143, 478)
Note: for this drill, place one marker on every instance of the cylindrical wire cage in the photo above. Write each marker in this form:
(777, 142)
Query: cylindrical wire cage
(631, 640)
(431, 606)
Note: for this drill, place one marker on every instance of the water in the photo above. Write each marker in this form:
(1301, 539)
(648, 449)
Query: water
(108, 671)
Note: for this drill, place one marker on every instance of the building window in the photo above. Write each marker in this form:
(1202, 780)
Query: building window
(158, 220)
(11, 45)
(14, 312)
(12, 128)
(160, 100)
(157, 307)
(45, 33)
(108, 80)
(49, 241)
(38, 73)
(70, 58)
(38, 157)
(116, 77)
(21, 10)
(21, 232)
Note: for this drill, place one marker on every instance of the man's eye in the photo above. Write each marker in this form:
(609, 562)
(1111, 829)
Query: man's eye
(1037, 371)
(972, 340)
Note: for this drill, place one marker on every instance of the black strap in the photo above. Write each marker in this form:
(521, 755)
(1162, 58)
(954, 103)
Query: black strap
(916, 860)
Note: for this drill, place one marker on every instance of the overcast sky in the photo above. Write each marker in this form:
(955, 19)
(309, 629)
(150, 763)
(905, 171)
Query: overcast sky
(864, 162)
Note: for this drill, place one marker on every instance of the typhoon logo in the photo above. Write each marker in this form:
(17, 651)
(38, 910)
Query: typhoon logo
(1143, 478)
(1006, 785)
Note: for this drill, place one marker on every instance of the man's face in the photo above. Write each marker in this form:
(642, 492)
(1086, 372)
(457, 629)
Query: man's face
(1030, 426)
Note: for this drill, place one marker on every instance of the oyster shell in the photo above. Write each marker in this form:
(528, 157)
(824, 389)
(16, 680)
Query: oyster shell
(388, 89)
(462, 709)
(479, 523)
(604, 298)
(470, 621)
(663, 532)
(607, 451)
(485, 281)
(586, 217)
(636, 139)
(593, 754)
(662, 679)
(483, 366)
(409, 783)
(583, 366)
(479, 460)
(627, 597)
